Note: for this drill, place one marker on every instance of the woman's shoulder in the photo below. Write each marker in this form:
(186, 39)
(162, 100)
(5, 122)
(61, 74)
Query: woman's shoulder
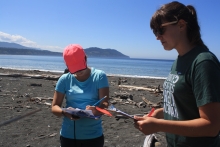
(206, 56)
(97, 71)
(65, 76)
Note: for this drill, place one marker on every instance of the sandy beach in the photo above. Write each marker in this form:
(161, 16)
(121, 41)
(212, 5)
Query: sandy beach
(23, 92)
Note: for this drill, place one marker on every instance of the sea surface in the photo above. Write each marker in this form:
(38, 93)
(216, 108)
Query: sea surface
(140, 68)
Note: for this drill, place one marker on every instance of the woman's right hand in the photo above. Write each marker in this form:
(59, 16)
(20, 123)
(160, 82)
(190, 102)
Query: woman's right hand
(146, 125)
(70, 116)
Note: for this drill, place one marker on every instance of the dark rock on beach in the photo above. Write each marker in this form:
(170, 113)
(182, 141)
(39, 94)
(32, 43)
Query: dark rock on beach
(26, 119)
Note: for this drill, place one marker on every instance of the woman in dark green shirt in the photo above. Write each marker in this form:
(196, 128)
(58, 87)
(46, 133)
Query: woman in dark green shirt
(191, 113)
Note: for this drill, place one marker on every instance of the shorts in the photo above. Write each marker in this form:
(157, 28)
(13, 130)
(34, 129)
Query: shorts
(95, 142)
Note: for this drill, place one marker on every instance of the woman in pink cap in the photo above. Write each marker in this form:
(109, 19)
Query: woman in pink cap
(191, 113)
(81, 87)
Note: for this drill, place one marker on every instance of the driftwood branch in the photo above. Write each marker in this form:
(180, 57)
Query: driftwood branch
(43, 136)
(157, 90)
(151, 104)
(19, 117)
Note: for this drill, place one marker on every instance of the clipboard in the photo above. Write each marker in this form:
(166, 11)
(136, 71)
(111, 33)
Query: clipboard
(81, 113)
(112, 109)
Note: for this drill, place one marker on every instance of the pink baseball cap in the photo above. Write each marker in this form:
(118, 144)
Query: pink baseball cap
(75, 58)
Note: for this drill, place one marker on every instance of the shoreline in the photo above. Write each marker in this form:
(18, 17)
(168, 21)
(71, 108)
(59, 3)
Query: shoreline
(60, 72)
(21, 95)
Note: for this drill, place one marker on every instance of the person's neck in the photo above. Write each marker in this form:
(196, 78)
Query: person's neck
(85, 76)
(184, 47)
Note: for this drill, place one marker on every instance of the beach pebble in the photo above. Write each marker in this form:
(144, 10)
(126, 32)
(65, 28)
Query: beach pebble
(29, 107)
(27, 95)
(157, 144)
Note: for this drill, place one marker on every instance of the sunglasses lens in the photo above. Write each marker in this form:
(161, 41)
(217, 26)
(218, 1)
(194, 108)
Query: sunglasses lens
(160, 31)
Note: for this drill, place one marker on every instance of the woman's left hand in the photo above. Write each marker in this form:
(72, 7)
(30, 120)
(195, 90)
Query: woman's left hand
(145, 124)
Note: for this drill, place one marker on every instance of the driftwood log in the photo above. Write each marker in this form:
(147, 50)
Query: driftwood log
(43, 76)
(157, 89)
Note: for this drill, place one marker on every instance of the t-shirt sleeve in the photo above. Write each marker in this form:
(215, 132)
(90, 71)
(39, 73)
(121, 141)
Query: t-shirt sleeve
(60, 85)
(103, 80)
(206, 82)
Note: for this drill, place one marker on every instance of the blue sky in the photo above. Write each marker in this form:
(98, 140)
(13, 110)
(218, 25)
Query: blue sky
(117, 24)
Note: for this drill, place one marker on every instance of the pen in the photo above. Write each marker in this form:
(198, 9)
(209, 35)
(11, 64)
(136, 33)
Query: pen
(99, 101)
(151, 112)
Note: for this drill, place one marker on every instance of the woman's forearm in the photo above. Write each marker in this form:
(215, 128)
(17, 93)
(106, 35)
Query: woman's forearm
(192, 128)
(56, 110)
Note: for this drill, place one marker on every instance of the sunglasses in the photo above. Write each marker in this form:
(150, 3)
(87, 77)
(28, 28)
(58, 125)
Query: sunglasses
(162, 29)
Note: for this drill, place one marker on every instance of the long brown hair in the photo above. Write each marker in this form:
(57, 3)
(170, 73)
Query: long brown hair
(175, 11)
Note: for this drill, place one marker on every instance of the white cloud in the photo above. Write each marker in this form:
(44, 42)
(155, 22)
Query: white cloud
(4, 37)
(52, 48)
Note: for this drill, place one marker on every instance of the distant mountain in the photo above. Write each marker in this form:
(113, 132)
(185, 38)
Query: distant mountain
(14, 45)
(17, 49)
(104, 53)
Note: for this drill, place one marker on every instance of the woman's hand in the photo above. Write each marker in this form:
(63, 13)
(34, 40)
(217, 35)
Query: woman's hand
(158, 113)
(70, 116)
(146, 125)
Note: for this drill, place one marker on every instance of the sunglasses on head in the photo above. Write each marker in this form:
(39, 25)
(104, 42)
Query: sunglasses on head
(162, 29)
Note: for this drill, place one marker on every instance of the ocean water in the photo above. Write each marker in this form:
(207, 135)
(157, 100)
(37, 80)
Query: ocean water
(140, 68)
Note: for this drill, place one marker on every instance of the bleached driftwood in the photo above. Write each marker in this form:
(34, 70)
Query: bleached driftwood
(41, 98)
(6, 107)
(43, 76)
(141, 88)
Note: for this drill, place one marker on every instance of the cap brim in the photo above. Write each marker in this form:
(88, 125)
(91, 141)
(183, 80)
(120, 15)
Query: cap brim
(77, 67)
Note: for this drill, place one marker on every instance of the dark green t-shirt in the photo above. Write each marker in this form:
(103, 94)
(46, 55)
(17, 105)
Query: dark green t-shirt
(194, 81)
